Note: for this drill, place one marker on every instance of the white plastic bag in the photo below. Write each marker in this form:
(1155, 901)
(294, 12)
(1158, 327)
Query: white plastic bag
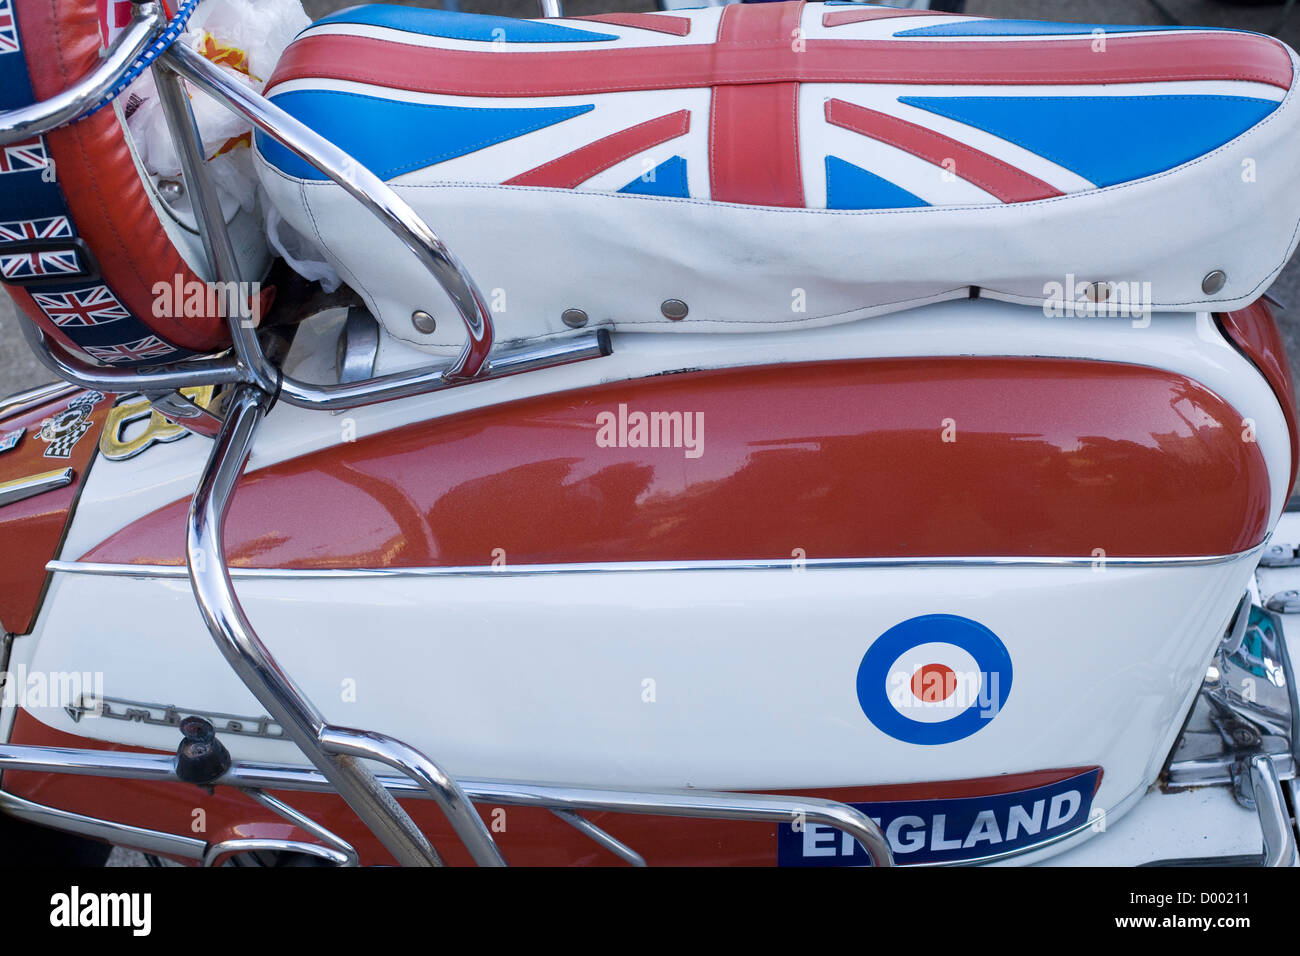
(245, 39)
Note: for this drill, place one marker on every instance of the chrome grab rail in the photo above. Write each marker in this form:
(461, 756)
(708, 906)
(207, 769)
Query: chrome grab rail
(27, 121)
(561, 798)
(420, 381)
(249, 364)
(364, 186)
(105, 378)
(220, 251)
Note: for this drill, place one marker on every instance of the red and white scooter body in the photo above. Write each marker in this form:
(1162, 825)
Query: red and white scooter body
(945, 545)
(481, 574)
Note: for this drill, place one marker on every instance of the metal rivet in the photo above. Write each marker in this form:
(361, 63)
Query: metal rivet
(573, 318)
(674, 309)
(1214, 282)
(423, 321)
(1096, 291)
(170, 189)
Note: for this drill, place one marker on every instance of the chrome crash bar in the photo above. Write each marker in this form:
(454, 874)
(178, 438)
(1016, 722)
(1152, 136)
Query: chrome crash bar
(564, 800)
(333, 750)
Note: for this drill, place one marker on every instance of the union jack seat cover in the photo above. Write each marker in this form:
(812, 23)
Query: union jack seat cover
(783, 165)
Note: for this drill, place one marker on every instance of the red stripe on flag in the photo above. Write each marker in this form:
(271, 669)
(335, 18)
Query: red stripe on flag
(754, 128)
(842, 17)
(576, 167)
(754, 145)
(1141, 59)
(677, 26)
(987, 172)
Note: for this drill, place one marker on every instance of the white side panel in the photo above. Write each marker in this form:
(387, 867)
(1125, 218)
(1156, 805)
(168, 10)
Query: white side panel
(754, 672)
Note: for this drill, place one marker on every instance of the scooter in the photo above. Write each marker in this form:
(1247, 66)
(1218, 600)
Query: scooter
(816, 434)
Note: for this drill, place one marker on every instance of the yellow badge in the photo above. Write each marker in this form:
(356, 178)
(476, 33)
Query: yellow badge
(122, 437)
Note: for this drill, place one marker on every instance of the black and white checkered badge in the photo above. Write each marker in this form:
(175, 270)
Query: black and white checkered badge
(64, 430)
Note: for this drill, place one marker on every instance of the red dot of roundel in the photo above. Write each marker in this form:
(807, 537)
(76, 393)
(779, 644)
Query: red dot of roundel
(934, 682)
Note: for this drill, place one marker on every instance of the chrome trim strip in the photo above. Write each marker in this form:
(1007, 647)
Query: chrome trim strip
(20, 489)
(176, 571)
(32, 397)
(150, 841)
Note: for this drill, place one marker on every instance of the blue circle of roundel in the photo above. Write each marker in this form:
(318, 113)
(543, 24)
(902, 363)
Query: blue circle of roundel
(989, 653)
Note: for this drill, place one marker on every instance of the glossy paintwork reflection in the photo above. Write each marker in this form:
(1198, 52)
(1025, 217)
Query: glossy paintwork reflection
(888, 458)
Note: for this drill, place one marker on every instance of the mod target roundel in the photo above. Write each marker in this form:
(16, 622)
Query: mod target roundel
(934, 679)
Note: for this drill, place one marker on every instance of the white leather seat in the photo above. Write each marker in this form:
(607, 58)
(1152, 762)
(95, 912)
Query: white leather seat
(787, 165)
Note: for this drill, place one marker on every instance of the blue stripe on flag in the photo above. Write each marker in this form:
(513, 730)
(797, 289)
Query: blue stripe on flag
(391, 137)
(666, 179)
(1107, 139)
(852, 187)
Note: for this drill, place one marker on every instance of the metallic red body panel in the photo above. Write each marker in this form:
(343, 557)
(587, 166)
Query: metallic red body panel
(1255, 332)
(32, 530)
(531, 837)
(848, 459)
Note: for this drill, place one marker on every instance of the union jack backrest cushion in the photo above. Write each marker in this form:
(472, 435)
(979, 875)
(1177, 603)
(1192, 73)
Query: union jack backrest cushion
(81, 244)
(788, 111)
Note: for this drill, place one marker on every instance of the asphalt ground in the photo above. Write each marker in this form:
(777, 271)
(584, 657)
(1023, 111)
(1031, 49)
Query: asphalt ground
(19, 369)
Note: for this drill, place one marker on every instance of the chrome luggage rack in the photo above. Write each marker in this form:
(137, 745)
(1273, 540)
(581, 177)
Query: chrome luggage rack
(254, 383)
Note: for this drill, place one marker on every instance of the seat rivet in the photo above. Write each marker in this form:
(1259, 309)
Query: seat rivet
(170, 190)
(423, 321)
(573, 318)
(674, 309)
(1214, 282)
(1096, 291)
